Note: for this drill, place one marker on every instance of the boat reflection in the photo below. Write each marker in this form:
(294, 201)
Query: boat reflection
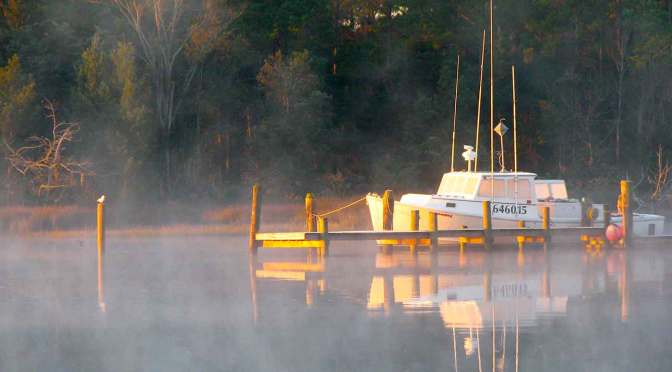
(475, 289)
(486, 303)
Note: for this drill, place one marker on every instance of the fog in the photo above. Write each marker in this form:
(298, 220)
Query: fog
(176, 304)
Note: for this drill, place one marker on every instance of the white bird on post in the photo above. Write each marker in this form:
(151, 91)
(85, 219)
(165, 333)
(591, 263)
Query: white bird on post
(101, 200)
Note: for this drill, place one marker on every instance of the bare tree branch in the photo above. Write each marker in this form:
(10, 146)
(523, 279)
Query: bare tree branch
(42, 158)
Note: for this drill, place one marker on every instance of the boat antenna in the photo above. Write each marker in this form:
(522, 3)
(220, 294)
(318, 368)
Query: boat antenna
(457, 86)
(480, 95)
(515, 134)
(492, 108)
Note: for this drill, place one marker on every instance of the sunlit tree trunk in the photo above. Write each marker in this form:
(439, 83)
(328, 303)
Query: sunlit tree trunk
(158, 24)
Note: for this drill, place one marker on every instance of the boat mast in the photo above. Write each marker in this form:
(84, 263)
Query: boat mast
(515, 135)
(480, 95)
(457, 85)
(492, 109)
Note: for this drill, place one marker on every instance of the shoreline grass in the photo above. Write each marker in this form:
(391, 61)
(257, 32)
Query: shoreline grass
(173, 219)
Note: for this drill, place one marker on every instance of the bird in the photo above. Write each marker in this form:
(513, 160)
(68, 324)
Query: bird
(101, 199)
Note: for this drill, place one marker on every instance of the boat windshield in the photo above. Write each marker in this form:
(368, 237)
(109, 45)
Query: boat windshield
(512, 188)
(550, 189)
(460, 184)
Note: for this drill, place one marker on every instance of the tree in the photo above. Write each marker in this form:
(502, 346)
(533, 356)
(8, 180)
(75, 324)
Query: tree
(17, 94)
(45, 162)
(164, 30)
(295, 121)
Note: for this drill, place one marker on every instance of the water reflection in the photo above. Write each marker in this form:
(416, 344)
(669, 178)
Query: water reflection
(487, 302)
(310, 271)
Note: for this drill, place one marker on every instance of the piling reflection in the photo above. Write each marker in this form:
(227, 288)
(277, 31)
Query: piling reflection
(309, 271)
(101, 278)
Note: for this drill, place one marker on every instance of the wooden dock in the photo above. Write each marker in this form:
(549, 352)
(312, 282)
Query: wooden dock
(413, 236)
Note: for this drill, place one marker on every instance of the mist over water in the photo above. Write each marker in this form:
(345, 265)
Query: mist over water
(175, 304)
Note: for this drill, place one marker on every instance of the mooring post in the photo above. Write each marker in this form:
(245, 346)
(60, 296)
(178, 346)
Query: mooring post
(432, 225)
(627, 211)
(100, 220)
(388, 210)
(388, 216)
(546, 223)
(521, 238)
(414, 224)
(487, 225)
(255, 216)
(310, 213)
(323, 229)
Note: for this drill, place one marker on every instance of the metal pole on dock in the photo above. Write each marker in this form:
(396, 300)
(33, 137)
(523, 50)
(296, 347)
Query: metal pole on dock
(323, 229)
(487, 225)
(627, 211)
(255, 216)
(310, 213)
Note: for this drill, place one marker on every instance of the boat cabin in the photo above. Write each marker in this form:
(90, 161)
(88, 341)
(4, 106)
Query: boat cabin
(483, 185)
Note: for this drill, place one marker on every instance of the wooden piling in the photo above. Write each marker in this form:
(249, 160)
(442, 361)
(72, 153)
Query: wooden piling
(627, 211)
(546, 222)
(433, 226)
(310, 213)
(487, 225)
(521, 239)
(388, 210)
(100, 222)
(100, 219)
(323, 229)
(255, 216)
(584, 213)
(414, 223)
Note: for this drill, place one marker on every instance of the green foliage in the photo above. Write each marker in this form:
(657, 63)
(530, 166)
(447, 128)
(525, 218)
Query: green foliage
(91, 74)
(17, 96)
(295, 120)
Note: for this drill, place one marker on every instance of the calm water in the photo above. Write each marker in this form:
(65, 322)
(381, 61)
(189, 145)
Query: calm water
(200, 304)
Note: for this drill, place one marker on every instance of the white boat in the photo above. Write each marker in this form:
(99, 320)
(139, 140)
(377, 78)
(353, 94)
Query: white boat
(514, 197)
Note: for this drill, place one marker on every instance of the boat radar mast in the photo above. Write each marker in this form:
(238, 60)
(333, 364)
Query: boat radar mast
(469, 156)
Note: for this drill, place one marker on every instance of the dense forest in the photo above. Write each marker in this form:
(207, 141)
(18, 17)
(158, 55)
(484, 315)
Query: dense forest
(196, 99)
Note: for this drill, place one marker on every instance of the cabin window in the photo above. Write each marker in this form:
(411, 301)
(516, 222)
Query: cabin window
(513, 189)
(542, 191)
(487, 187)
(523, 189)
(457, 184)
(558, 190)
(470, 185)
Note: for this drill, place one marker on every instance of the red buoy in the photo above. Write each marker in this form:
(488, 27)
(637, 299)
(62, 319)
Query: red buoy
(613, 233)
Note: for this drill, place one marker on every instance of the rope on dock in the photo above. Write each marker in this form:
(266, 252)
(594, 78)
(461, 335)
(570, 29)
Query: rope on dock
(341, 208)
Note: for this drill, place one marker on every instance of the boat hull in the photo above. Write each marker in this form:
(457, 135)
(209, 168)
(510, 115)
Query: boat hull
(472, 218)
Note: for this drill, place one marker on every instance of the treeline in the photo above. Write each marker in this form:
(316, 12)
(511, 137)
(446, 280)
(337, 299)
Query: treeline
(197, 99)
